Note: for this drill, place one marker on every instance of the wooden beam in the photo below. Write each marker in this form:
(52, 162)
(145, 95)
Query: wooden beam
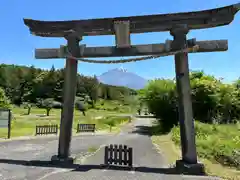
(122, 34)
(135, 50)
(138, 24)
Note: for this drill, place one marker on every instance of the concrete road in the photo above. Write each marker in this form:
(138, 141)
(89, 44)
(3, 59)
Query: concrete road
(15, 155)
(148, 162)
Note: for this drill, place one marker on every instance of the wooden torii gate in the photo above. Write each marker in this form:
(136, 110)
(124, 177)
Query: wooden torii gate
(177, 24)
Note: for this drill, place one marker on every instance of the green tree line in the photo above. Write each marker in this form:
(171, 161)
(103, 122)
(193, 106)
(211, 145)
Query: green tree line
(213, 101)
(21, 84)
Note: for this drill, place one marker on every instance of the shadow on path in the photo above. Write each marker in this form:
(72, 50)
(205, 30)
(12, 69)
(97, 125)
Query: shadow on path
(145, 116)
(143, 130)
(149, 130)
(85, 168)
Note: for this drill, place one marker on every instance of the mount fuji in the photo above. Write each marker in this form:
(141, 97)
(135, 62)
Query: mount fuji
(121, 77)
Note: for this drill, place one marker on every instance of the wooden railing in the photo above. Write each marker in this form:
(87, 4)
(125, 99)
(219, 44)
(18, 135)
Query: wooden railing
(118, 155)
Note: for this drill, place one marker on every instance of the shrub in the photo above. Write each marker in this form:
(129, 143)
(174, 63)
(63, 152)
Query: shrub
(112, 121)
(56, 104)
(48, 105)
(212, 100)
(4, 102)
(220, 143)
(160, 97)
(81, 107)
(27, 106)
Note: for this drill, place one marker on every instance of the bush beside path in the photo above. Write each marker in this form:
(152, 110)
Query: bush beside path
(213, 143)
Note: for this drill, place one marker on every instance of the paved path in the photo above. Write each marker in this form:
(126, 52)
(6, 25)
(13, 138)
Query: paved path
(148, 162)
(14, 157)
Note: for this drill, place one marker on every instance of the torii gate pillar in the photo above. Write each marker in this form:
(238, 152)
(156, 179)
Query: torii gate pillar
(70, 81)
(189, 161)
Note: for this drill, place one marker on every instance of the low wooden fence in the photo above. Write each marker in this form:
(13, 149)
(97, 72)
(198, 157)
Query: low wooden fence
(118, 155)
(86, 128)
(46, 129)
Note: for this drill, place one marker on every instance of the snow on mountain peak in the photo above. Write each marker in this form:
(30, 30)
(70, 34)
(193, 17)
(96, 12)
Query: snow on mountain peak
(122, 69)
(121, 77)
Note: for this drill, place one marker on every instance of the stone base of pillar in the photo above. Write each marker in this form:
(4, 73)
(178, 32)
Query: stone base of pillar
(62, 161)
(190, 169)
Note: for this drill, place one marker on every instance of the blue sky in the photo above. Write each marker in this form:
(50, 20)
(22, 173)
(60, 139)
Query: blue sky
(17, 44)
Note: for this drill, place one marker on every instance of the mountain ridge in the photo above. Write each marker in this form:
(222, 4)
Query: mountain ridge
(122, 77)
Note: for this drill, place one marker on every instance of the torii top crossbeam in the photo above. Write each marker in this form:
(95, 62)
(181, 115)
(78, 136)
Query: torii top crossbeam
(138, 24)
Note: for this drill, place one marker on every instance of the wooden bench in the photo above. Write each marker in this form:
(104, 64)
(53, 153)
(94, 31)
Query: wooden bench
(46, 129)
(86, 128)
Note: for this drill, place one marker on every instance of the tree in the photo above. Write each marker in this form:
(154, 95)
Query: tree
(58, 89)
(49, 83)
(160, 97)
(4, 102)
(48, 104)
(27, 84)
(237, 84)
(212, 100)
(27, 106)
(91, 86)
(30, 85)
(229, 103)
(79, 106)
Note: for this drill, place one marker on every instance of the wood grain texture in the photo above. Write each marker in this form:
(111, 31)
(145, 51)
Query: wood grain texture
(138, 24)
(135, 50)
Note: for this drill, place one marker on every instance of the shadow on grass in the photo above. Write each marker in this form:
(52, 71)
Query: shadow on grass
(85, 168)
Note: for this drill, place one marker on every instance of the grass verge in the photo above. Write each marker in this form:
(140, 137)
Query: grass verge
(212, 141)
(24, 125)
(92, 149)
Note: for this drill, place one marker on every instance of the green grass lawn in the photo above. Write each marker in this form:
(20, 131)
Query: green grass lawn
(24, 125)
(215, 147)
